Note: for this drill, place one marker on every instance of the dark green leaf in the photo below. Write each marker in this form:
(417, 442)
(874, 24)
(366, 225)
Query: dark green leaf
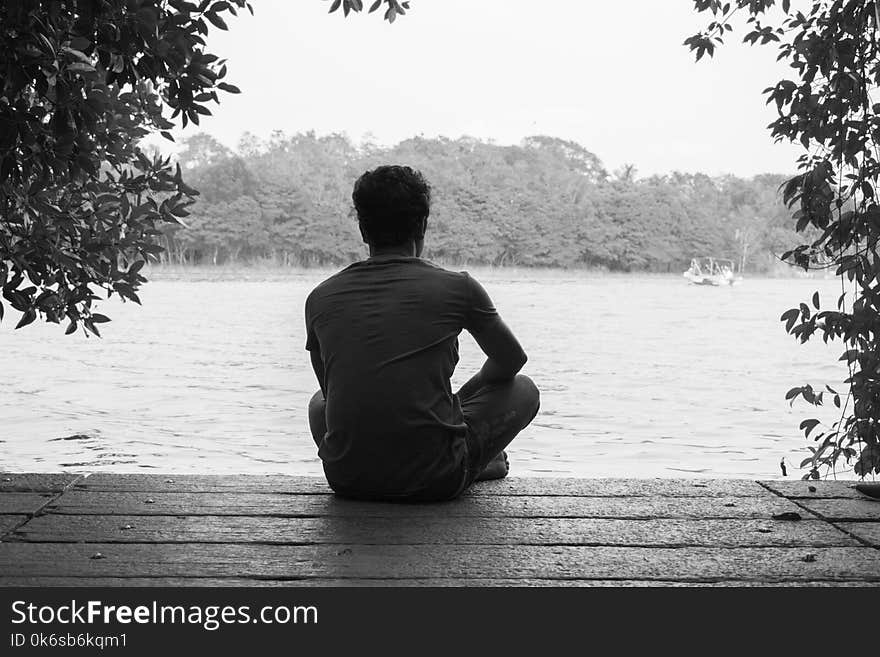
(807, 426)
(29, 316)
(216, 20)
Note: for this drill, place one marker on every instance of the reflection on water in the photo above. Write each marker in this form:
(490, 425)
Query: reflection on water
(640, 376)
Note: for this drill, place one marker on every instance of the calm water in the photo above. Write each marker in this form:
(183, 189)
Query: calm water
(640, 376)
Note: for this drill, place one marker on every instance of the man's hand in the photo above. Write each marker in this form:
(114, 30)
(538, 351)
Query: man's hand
(505, 357)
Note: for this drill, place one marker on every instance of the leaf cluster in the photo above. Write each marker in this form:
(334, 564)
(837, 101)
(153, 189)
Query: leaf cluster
(827, 107)
(392, 11)
(81, 83)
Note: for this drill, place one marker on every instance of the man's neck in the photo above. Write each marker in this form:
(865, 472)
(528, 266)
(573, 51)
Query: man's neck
(407, 250)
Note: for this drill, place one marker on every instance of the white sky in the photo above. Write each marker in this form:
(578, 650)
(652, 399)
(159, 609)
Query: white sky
(611, 75)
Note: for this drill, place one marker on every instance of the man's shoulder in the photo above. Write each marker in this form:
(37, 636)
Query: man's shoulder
(328, 284)
(330, 280)
(462, 277)
(461, 282)
(443, 271)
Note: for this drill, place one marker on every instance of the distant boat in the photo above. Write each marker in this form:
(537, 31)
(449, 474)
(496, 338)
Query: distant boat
(711, 271)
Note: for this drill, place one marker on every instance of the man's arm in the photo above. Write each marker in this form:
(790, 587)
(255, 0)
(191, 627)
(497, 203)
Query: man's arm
(318, 367)
(505, 356)
(314, 348)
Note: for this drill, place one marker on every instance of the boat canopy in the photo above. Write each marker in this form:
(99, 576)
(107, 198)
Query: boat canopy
(710, 265)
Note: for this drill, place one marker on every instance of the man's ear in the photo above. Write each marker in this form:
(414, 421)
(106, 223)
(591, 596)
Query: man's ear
(363, 234)
(424, 227)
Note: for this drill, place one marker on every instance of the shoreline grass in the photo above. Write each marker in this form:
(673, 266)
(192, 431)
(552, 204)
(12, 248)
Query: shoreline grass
(259, 270)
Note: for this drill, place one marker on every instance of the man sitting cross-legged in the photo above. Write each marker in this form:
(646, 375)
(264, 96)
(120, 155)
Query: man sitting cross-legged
(383, 338)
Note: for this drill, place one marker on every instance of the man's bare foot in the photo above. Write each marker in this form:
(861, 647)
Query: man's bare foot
(497, 468)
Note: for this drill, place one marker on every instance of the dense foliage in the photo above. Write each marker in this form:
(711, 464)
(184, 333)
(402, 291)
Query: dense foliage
(546, 202)
(81, 83)
(827, 106)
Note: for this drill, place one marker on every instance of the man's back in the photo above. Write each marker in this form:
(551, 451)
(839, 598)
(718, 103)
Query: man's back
(387, 332)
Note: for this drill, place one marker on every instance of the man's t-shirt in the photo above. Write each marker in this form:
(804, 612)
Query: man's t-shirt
(387, 330)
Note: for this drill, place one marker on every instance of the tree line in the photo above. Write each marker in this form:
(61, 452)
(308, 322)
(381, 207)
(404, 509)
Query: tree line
(545, 202)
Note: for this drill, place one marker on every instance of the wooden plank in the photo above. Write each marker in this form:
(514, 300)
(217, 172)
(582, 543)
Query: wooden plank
(7, 522)
(80, 582)
(27, 503)
(448, 561)
(509, 486)
(844, 509)
(822, 489)
(615, 487)
(30, 482)
(188, 483)
(84, 582)
(255, 504)
(867, 531)
(54, 528)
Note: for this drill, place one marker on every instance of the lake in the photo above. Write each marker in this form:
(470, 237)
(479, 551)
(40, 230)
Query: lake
(640, 376)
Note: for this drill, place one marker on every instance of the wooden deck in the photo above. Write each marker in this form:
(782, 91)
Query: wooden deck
(140, 530)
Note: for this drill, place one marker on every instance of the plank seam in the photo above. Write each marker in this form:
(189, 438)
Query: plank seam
(791, 546)
(400, 516)
(794, 500)
(269, 578)
(233, 491)
(33, 514)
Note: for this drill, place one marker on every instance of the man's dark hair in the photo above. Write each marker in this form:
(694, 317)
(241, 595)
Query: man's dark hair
(391, 202)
